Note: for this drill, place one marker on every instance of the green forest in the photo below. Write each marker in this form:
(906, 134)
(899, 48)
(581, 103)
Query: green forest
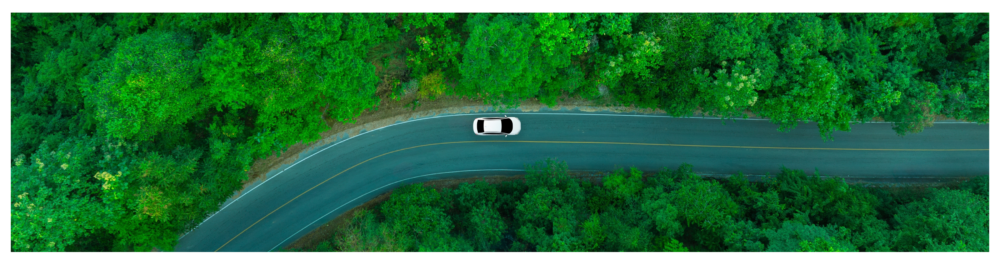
(672, 211)
(181, 105)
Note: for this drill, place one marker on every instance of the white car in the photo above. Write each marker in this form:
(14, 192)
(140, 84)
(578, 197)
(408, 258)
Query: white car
(496, 126)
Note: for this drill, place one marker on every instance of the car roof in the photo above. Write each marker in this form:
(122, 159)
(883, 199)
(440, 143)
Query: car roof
(491, 125)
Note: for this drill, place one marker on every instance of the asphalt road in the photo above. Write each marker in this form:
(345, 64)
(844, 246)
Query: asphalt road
(332, 179)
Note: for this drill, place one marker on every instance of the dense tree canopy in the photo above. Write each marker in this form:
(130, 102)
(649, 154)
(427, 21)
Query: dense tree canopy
(672, 210)
(175, 108)
(146, 85)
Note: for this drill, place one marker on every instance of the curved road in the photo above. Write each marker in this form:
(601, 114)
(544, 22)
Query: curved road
(332, 179)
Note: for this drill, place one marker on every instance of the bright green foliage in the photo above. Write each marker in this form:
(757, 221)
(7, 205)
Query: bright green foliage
(261, 73)
(688, 48)
(53, 199)
(949, 220)
(146, 85)
(728, 93)
(593, 234)
(155, 195)
(293, 72)
(344, 76)
(561, 38)
(674, 246)
(497, 61)
(806, 86)
(862, 67)
(636, 55)
(623, 186)
(705, 207)
(704, 203)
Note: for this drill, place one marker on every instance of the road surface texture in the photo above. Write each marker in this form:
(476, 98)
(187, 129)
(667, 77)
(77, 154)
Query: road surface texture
(332, 179)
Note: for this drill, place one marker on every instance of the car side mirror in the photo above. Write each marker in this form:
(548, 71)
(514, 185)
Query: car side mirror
(505, 135)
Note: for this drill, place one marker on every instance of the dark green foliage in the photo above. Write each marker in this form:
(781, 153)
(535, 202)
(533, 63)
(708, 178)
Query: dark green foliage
(763, 207)
(824, 201)
(486, 226)
(794, 236)
(34, 129)
(743, 236)
(873, 235)
(417, 210)
(662, 212)
(478, 204)
(949, 220)
(549, 213)
(437, 45)
(979, 185)
(675, 210)
(365, 233)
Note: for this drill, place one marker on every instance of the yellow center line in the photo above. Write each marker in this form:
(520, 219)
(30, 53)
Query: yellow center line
(583, 142)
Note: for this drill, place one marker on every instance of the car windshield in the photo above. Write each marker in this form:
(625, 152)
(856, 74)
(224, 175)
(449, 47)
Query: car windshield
(479, 126)
(506, 125)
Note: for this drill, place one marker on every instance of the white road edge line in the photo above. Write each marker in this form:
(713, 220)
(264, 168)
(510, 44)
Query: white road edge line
(386, 185)
(467, 114)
